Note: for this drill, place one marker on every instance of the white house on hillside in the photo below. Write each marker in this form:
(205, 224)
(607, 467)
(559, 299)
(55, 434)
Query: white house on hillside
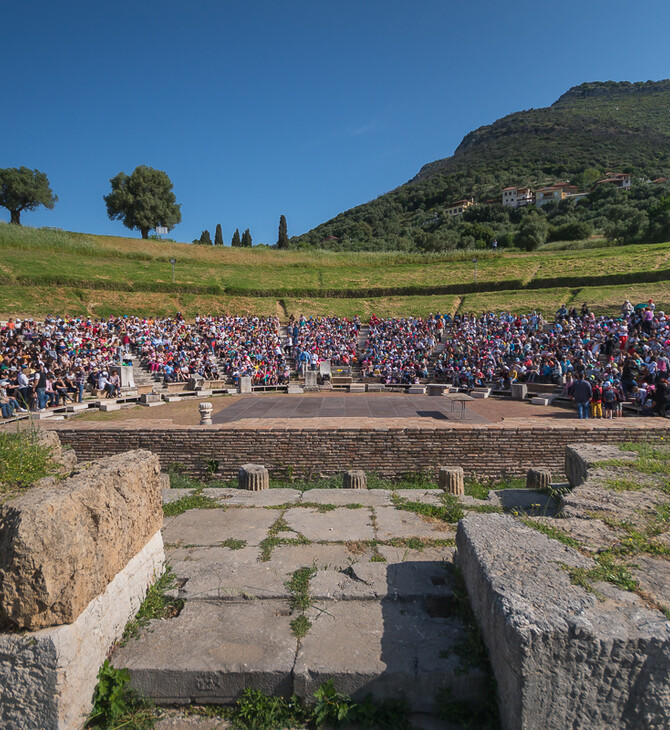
(517, 197)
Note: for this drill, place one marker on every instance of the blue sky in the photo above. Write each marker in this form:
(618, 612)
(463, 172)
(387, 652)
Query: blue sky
(303, 108)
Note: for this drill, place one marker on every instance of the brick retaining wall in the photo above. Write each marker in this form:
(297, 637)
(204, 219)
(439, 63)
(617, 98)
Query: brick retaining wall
(483, 451)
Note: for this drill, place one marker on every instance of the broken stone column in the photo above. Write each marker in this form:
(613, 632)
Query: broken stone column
(451, 480)
(355, 479)
(205, 414)
(245, 384)
(538, 479)
(253, 477)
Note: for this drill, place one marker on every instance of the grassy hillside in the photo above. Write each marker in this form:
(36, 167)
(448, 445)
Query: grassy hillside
(58, 272)
(592, 129)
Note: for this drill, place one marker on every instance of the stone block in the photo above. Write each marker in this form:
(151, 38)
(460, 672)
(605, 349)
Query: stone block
(538, 479)
(374, 387)
(212, 651)
(451, 480)
(253, 477)
(126, 375)
(295, 390)
(310, 381)
(519, 391)
(245, 384)
(389, 649)
(579, 458)
(195, 383)
(417, 389)
(49, 572)
(76, 407)
(356, 388)
(205, 393)
(392, 523)
(354, 479)
(146, 398)
(172, 398)
(436, 389)
(561, 656)
(538, 400)
(208, 527)
(481, 392)
(109, 407)
(47, 677)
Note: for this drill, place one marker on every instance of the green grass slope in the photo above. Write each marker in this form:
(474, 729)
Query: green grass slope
(58, 272)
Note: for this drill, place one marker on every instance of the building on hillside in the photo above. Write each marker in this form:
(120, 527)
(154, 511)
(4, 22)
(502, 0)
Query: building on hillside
(558, 191)
(517, 197)
(459, 206)
(619, 179)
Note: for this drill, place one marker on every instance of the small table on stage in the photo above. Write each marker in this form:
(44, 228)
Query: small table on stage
(461, 398)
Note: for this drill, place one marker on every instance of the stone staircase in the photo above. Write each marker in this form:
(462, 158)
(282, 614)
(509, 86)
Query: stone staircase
(382, 620)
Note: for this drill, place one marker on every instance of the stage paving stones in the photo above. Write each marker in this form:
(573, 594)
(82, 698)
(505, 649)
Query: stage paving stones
(377, 406)
(384, 617)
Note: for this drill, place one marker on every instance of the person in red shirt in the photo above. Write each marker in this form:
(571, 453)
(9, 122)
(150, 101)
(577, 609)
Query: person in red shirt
(597, 401)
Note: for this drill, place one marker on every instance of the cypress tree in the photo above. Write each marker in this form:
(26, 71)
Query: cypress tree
(205, 238)
(218, 236)
(236, 238)
(246, 239)
(282, 241)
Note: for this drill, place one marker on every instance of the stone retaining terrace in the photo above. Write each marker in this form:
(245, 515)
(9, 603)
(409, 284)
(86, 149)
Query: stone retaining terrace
(326, 448)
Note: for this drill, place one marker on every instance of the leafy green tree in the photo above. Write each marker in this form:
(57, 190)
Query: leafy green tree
(218, 236)
(23, 189)
(659, 220)
(236, 239)
(143, 200)
(282, 240)
(246, 239)
(532, 232)
(205, 238)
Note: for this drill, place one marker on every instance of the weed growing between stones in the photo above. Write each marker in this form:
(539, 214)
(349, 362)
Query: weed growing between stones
(298, 587)
(300, 599)
(329, 708)
(419, 543)
(234, 544)
(317, 506)
(272, 540)
(607, 570)
(156, 605)
(23, 461)
(550, 531)
(196, 500)
(116, 705)
(449, 511)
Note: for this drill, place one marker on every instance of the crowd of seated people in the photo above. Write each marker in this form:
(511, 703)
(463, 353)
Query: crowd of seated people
(398, 350)
(52, 362)
(314, 339)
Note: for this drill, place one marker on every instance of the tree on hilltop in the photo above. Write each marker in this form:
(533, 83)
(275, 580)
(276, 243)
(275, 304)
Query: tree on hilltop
(218, 236)
(236, 239)
(143, 200)
(23, 189)
(205, 238)
(246, 239)
(282, 240)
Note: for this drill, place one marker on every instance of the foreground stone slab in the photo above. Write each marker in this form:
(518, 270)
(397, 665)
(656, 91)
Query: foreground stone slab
(208, 573)
(339, 524)
(213, 526)
(47, 677)
(50, 571)
(561, 657)
(388, 649)
(211, 652)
